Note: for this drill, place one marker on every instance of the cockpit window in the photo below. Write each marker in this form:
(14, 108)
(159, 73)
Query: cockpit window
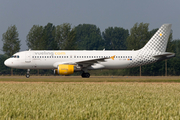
(15, 56)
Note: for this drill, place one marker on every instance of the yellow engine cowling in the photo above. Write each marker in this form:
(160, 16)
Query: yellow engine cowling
(64, 70)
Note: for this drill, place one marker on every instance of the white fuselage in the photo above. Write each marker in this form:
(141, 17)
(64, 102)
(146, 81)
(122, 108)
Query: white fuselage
(51, 59)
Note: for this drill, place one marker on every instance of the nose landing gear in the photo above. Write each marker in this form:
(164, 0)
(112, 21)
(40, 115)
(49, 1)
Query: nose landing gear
(27, 74)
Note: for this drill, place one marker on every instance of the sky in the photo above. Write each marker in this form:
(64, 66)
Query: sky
(102, 13)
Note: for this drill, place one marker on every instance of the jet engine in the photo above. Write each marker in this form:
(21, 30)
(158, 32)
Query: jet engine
(64, 69)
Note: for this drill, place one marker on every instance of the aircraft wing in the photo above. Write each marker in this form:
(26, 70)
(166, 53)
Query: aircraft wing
(85, 63)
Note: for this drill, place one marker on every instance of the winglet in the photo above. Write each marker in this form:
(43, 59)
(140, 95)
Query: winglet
(112, 57)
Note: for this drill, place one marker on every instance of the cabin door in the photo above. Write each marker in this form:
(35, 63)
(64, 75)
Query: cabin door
(27, 57)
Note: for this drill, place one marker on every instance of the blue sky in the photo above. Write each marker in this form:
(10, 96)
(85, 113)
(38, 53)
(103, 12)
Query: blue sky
(102, 13)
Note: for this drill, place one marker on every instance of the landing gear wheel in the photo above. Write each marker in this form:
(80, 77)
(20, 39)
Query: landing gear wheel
(27, 75)
(85, 75)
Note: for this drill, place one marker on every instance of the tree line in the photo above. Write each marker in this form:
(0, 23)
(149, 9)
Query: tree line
(89, 37)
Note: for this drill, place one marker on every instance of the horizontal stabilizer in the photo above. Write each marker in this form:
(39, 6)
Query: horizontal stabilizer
(165, 55)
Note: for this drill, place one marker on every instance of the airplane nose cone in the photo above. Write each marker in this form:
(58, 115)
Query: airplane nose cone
(6, 62)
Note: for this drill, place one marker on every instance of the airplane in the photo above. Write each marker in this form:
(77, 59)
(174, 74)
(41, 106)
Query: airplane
(66, 62)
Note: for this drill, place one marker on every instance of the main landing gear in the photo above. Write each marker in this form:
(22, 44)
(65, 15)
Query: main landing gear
(85, 75)
(28, 75)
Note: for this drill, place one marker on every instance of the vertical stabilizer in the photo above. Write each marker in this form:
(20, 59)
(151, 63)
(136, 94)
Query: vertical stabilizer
(159, 41)
(154, 49)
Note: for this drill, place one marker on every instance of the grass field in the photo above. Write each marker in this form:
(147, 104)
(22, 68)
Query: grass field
(91, 79)
(89, 100)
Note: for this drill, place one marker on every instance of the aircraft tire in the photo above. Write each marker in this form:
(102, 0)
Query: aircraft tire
(27, 75)
(85, 75)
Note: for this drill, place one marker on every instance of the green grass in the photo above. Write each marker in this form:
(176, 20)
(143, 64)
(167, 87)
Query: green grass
(91, 79)
(83, 101)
